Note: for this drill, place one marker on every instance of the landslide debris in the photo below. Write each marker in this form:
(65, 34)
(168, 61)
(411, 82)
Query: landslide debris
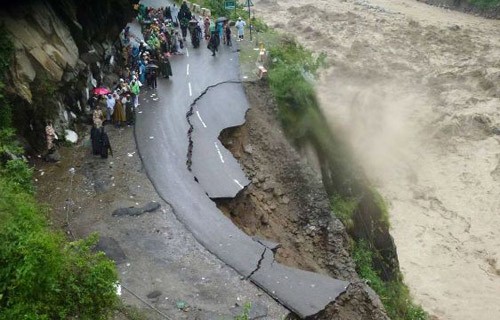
(286, 203)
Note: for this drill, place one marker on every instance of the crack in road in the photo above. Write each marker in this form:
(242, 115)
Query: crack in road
(189, 160)
(258, 264)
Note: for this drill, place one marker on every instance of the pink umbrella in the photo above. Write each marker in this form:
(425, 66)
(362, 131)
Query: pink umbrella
(101, 91)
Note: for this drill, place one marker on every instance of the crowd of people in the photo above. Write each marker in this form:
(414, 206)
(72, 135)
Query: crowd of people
(147, 58)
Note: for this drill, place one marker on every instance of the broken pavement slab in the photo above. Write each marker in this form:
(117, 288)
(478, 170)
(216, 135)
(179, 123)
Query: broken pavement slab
(305, 293)
(215, 168)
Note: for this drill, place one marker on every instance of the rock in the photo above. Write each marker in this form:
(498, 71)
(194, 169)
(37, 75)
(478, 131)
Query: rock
(495, 130)
(133, 211)
(268, 186)
(53, 156)
(154, 294)
(299, 239)
(278, 192)
(112, 249)
(259, 196)
(47, 63)
(264, 219)
(248, 149)
(90, 56)
(24, 69)
(71, 136)
(261, 177)
(285, 200)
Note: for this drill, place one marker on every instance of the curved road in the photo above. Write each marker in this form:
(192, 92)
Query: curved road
(209, 90)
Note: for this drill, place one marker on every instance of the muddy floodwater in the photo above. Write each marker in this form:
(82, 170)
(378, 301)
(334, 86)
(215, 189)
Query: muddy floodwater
(416, 90)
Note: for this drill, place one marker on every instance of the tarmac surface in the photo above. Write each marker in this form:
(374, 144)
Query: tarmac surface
(187, 112)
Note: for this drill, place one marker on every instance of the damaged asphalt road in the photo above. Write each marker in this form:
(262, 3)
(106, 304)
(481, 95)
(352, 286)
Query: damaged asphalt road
(213, 166)
(162, 138)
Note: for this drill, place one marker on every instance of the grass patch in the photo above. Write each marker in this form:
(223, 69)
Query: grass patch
(394, 294)
(245, 313)
(485, 4)
(344, 208)
(382, 205)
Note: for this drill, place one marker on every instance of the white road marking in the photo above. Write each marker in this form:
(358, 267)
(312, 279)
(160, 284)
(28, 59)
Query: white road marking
(190, 91)
(187, 52)
(218, 151)
(201, 120)
(238, 183)
(187, 69)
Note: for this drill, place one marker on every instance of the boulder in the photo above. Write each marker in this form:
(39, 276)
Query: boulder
(90, 56)
(71, 136)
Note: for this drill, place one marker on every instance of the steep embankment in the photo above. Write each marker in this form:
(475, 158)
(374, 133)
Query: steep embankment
(62, 48)
(415, 89)
(286, 203)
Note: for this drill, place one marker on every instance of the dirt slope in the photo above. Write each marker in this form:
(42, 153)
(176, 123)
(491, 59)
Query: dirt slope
(416, 90)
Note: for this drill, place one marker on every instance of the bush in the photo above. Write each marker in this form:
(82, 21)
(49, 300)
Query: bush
(486, 4)
(344, 208)
(41, 275)
(291, 66)
(394, 294)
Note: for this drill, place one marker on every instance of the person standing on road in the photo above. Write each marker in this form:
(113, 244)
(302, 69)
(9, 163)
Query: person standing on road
(227, 34)
(129, 109)
(135, 88)
(184, 17)
(97, 117)
(104, 144)
(153, 77)
(95, 134)
(165, 68)
(119, 114)
(213, 43)
(206, 28)
(174, 11)
(50, 135)
(240, 26)
(110, 107)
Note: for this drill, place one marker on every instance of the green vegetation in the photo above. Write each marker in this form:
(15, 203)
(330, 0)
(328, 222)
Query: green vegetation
(6, 52)
(245, 313)
(485, 4)
(42, 276)
(394, 294)
(290, 79)
(344, 208)
(381, 204)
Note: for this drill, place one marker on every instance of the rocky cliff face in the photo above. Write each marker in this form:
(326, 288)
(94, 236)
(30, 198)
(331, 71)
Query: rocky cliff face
(61, 49)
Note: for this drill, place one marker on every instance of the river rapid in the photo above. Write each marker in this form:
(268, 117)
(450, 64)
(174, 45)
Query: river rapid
(416, 90)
